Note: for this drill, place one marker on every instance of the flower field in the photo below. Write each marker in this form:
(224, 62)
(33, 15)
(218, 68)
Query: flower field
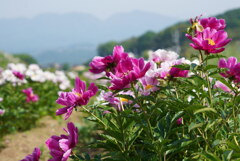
(164, 108)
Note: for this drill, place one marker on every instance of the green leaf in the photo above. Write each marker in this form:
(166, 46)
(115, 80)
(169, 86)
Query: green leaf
(183, 66)
(213, 56)
(176, 116)
(161, 129)
(102, 87)
(194, 125)
(192, 108)
(129, 97)
(228, 154)
(210, 67)
(207, 109)
(103, 78)
(210, 156)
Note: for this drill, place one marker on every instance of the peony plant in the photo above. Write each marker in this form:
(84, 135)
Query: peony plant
(162, 109)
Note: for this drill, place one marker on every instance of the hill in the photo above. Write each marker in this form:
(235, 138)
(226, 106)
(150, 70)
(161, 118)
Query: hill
(174, 38)
(6, 58)
(49, 31)
(72, 55)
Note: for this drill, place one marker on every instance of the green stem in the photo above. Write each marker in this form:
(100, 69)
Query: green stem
(234, 112)
(176, 93)
(150, 129)
(209, 87)
(94, 116)
(201, 72)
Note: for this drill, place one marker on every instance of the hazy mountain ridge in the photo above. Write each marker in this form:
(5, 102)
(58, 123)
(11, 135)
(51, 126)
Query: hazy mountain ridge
(50, 31)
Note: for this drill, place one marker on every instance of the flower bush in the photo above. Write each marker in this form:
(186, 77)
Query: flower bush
(165, 108)
(27, 93)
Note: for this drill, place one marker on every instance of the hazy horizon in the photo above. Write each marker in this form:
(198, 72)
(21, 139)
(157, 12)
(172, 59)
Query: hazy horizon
(106, 8)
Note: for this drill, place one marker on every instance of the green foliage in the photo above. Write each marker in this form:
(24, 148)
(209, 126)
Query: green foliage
(26, 58)
(20, 115)
(147, 128)
(5, 59)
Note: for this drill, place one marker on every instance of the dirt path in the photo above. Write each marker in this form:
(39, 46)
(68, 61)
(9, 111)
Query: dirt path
(21, 144)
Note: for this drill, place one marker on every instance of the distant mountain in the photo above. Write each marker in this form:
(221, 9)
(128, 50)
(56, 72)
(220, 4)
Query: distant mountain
(48, 32)
(173, 38)
(73, 55)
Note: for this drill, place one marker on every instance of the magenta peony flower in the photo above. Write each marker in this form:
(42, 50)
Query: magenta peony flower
(233, 67)
(2, 112)
(108, 63)
(177, 72)
(230, 63)
(30, 95)
(127, 71)
(213, 23)
(210, 40)
(179, 121)
(34, 156)
(19, 75)
(77, 97)
(61, 146)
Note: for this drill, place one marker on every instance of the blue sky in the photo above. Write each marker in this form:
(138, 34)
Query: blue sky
(182, 9)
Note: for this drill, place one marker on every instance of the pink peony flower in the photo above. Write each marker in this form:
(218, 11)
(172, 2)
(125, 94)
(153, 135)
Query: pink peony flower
(34, 156)
(225, 88)
(108, 63)
(210, 40)
(30, 95)
(127, 71)
(163, 55)
(79, 96)
(19, 75)
(106, 112)
(2, 112)
(115, 101)
(61, 146)
(200, 24)
(213, 23)
(232, 66)
(149, 85)
(179, 121)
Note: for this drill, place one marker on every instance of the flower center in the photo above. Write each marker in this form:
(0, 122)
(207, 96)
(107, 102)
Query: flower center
(123, 99)
(211, 42)
(149, 86)
(77, 94)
